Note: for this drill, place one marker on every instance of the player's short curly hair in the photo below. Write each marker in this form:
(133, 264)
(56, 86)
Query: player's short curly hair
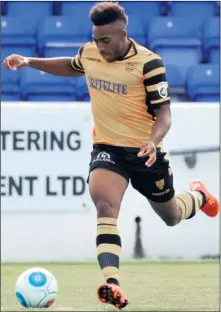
(104, 13)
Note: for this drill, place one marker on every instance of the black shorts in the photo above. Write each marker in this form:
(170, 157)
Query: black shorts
(155, 183)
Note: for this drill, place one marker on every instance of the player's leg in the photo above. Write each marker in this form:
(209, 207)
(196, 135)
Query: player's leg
(107, 184)
(107, 189)
(185, 205)
(156, 184)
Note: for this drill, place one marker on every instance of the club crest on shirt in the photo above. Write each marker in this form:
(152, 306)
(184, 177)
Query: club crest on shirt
(130, 66)
(162, 89)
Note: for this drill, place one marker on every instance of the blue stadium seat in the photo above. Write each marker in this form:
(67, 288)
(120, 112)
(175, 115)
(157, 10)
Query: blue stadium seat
(58, 52)
(195, 12)
(50, 98)
(3, 7)
(35, 83)
(77, 9)
(25, 51)
(135, 30)
(143, 11)
(211, 40)
(16, 33)
(62, 33)
(10, 97)
(175, 80)
(32, 12)
(203, 83)
(10, 90)
(81, 92)
(175, 41)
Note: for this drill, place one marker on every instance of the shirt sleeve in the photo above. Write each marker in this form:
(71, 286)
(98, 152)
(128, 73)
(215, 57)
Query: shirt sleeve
(76, 61)
(156, 85)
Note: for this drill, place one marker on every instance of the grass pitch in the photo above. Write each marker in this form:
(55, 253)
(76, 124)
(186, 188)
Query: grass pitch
(150, 286)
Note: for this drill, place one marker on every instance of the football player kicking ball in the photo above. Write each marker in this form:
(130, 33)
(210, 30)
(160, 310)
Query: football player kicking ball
(131, 111)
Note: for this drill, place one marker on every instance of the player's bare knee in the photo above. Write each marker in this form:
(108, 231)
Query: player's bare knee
(172, 221)
(106, 209)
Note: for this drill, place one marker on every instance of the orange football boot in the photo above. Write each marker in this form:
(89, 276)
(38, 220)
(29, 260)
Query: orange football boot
(211, 206)
(112, 294)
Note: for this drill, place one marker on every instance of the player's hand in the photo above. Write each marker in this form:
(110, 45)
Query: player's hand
(15, 62)
(148, 149)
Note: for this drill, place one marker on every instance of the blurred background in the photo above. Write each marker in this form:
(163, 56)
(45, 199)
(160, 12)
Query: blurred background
(186, 34)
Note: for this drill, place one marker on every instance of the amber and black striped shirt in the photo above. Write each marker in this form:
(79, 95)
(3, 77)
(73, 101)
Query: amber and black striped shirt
(124, 94)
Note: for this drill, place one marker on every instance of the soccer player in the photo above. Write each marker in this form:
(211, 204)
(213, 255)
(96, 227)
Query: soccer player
(131, 111)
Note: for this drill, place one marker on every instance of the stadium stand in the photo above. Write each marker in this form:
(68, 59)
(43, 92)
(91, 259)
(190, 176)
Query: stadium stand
(80, 12)
(60, 36)
(176, 82)
(3, 7)
(211, 40)
(176, 41)
(10, 90)
(203, 83)
(15, 35)
(59, 28)
(40, 86)
(24, 9)
(188, 9)
(136, 31)
(143, 11)
(81, 89)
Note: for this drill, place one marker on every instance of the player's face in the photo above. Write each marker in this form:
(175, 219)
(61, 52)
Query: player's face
(109, 40)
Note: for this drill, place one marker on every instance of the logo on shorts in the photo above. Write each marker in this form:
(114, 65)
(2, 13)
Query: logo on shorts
(160, 184)
(161, 193)
(162, 89)
(103, 156)
(130, 66)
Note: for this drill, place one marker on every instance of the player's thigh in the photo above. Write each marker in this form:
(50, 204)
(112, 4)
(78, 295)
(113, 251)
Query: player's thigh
(156, 184)
(107, 185)
(162, 199)
(108, 181)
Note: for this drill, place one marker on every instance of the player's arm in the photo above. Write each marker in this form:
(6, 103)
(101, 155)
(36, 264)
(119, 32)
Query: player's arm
(58, 66)
(159, 101)
(158, 105)
(162, 124)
